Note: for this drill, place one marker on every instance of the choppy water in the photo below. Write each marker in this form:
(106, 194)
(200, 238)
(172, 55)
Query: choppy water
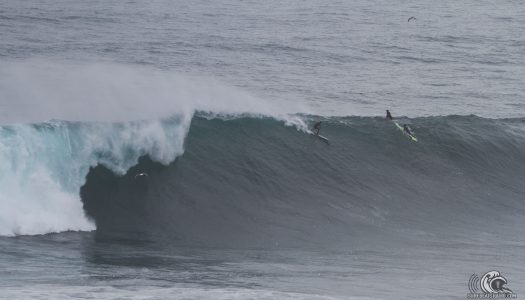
(212, 99)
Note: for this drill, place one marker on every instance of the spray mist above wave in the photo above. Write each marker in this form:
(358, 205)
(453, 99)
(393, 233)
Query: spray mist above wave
(36, 91)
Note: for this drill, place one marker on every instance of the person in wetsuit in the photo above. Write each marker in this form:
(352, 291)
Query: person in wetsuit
(407, 129)
(388, 115)
(317, 128)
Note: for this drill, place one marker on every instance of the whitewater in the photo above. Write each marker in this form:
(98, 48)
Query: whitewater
(213, 101)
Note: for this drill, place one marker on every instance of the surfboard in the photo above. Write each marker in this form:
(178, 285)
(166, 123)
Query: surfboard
(322, 138)
(411, 136)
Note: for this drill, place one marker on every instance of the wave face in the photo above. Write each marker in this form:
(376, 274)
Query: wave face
(256, 182)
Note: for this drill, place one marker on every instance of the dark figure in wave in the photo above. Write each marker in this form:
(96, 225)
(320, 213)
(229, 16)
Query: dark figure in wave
(407, 129)
(388, 115)
(317, 128)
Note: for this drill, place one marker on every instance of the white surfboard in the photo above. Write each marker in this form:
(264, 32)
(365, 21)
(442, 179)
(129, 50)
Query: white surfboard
(322, 138)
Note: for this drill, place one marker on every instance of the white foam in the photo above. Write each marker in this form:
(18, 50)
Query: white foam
(43, 167)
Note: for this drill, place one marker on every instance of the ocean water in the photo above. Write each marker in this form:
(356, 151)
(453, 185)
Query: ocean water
(212, 101)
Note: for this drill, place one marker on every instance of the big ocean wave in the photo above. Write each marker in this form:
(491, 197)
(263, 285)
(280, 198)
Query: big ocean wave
(259, 178)
(213, 179)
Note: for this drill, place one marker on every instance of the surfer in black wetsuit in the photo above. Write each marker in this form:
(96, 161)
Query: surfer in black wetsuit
(407, 129)
(317, 128)
(388, 115)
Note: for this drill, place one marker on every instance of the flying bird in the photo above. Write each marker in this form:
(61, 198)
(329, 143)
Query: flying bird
(141, 175)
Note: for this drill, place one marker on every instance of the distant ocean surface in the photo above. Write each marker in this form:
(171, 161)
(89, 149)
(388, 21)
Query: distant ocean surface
(161, 149)
(336, 57)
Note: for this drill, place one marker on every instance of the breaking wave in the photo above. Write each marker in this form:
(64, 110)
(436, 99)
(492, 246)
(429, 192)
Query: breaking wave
(255, 180)
(224, 167)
